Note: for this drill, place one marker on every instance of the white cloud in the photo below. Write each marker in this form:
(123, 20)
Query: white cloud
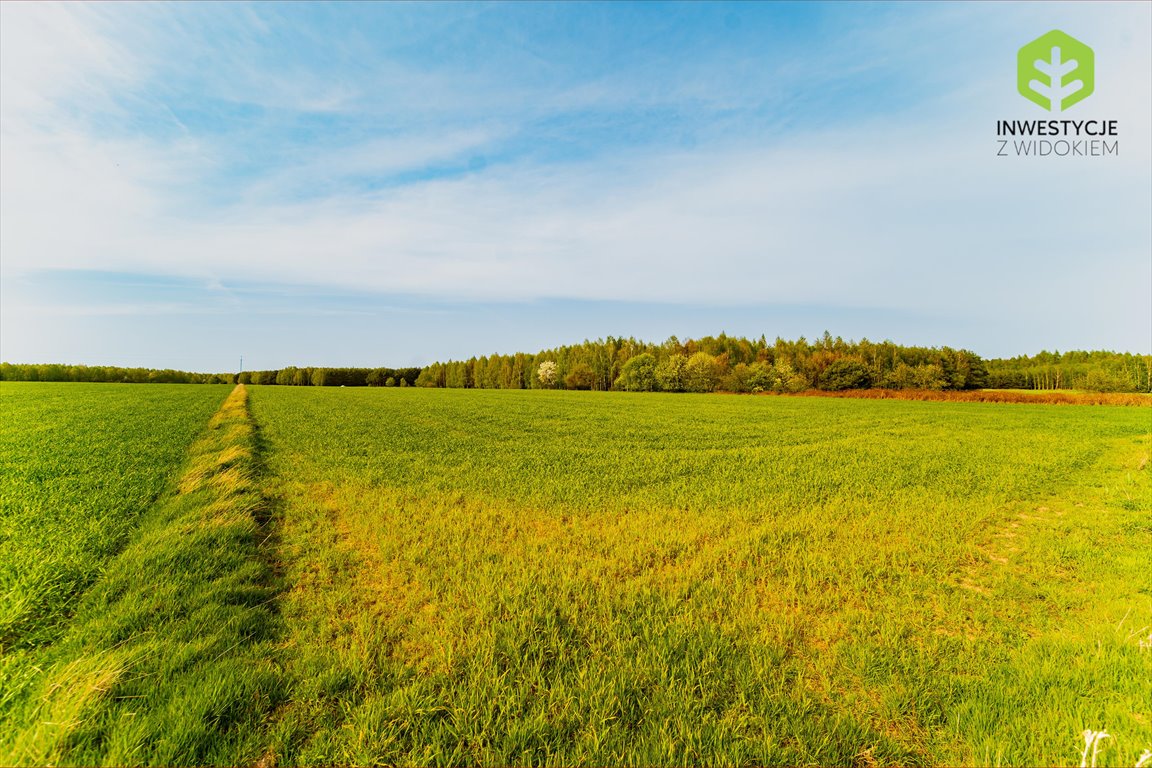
(911, 211)
(848, 222)
(52, 53)
(326, 171)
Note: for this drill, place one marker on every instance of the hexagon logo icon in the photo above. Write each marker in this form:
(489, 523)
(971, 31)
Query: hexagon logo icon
(1055, 71)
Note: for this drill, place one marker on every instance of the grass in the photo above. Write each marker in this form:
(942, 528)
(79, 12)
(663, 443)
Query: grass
(505, 578)
(400, 576)
(78, 464)
(169, 657)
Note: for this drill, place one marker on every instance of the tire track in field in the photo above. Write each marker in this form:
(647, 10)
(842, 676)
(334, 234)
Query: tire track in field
(1005, 543)
(1062, 584)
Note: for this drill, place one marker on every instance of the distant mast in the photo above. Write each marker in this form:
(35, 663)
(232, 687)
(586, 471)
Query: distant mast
(241, 363)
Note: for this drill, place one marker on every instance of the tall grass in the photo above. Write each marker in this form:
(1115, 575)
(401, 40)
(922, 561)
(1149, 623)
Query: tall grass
(549, 577)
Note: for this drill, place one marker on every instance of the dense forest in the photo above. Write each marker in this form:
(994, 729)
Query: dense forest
(735, 364)
(712, 363)
(725, 363)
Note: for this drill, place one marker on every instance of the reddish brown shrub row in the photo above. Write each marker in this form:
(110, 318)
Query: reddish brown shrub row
(1031, 396)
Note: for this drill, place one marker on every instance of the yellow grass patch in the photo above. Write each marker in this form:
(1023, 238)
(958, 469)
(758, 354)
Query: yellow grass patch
(218, 458)
(232, 454)
(69, 691)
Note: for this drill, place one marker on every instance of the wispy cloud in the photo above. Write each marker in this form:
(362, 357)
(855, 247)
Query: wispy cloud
(809, 154)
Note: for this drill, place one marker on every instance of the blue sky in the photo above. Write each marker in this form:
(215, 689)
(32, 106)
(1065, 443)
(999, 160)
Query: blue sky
(391, 184)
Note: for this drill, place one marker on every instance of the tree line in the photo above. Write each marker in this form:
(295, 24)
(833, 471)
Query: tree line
(315, 377)
(718, 363)
(712, 363)
(737, 364)
(108, 373)
(333, 377)
(1097, 371)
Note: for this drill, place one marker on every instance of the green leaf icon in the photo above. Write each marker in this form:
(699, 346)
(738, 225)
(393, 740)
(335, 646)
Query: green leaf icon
(1055, 71)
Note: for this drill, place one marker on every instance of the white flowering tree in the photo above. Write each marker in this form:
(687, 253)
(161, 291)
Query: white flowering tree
(546, 374)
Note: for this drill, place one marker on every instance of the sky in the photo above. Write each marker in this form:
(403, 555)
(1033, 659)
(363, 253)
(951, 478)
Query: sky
(183, 184)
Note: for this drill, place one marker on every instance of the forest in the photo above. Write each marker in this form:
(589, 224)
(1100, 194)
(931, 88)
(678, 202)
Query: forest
(737, 364)
(708, 364)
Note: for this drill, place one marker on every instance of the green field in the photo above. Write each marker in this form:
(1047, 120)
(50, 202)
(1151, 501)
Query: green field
(515, 577)
(78, 464)
(145, 496)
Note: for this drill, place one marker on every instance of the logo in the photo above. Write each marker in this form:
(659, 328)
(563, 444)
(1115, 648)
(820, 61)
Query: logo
(1055, 71)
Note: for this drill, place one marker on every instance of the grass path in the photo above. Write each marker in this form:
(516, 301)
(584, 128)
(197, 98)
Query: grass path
(170, 657)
